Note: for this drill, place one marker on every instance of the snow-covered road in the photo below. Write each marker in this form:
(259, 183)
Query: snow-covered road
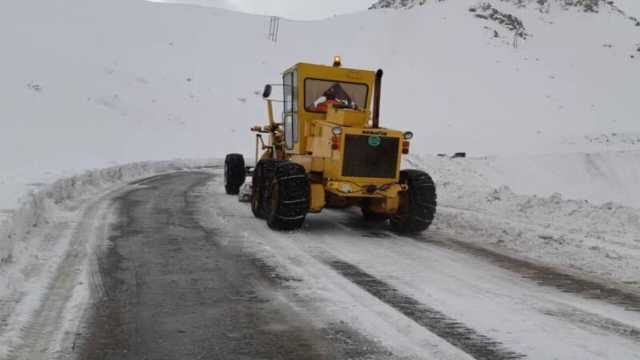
(413, 293)
(338, 288)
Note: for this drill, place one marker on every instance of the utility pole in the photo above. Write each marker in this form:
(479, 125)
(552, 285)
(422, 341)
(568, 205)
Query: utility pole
(274, 28)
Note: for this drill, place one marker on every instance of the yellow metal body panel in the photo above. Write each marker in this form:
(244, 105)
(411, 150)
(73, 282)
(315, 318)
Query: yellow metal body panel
(315, 150)
(317, 198)
(389, 197)
(310, 163)
(350, 189)
(333, 164)
(319, 151)
(347, 117)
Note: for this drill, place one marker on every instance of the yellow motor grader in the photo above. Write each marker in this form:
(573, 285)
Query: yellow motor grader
(330, 151)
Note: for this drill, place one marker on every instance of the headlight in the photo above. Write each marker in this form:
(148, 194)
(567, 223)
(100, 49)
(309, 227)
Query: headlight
(407, 135)
(346, 188)
(336, 130)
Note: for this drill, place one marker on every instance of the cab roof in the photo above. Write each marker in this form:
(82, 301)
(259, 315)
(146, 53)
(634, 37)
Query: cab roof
(333, 73)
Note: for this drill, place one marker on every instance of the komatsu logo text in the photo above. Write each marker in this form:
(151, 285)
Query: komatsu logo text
(372, 132)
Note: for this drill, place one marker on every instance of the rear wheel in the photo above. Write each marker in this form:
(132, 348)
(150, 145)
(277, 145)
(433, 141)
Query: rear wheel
(288, 197)
(234, 173)
(262, 175)
(417, 204)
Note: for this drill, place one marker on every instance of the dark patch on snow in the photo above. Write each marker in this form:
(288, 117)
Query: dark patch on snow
(376, 235)
(270, 273)
(34, 87)
(354, 345)
(397, 4)
(614, 138)
(542, 6)
(457, 334)
(512, 23)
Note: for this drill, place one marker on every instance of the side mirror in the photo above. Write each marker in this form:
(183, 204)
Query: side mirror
(267, 91)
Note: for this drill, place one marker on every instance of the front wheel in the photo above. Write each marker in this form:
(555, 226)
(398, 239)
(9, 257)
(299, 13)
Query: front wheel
(417, 205)
(234, 173)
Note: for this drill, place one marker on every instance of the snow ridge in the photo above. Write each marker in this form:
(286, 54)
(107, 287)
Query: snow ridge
(512, 23)
(397, 4)
(543, 6)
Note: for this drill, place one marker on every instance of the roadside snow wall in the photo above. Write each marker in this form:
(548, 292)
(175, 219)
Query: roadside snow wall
(598, 177)
(38, 207)
(35, 239)
(596, 238)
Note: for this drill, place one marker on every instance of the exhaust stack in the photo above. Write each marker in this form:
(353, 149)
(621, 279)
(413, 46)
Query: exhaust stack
(376, 99)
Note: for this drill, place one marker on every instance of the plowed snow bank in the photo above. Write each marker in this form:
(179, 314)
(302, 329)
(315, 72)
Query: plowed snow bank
(598, 177)
(38, 207)
(601, 239)
(35, 239)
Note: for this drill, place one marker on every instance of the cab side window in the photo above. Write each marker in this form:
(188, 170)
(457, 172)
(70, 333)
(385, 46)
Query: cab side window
(290, 116)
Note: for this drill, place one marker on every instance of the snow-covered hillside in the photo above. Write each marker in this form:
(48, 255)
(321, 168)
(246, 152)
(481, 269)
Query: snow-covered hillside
(88, 84)
(541, 95)
(621, 6)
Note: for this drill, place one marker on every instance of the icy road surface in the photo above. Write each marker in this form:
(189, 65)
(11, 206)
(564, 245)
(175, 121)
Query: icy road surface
(180, 270)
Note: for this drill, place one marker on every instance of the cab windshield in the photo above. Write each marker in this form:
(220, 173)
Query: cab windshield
(320, 94)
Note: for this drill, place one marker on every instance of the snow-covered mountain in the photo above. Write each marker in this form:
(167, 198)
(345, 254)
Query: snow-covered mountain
(543, 95)
(396, 4)
(490, 10)
(90, 83)
(544, 6)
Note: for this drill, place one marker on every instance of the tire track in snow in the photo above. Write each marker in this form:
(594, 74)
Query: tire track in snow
(544, 275)
(567, 282)
(533, 320)
(582, 318)
(49, 333)
(457, 334)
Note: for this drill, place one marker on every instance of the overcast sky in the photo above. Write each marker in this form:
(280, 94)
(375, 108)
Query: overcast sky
(293, 9)
(304, 8)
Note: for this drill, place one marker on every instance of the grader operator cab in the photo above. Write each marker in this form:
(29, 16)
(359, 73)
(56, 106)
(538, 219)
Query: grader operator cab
(330, 151)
